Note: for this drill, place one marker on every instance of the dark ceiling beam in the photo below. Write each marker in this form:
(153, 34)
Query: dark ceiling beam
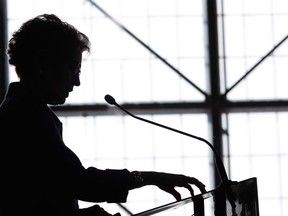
(172, 108)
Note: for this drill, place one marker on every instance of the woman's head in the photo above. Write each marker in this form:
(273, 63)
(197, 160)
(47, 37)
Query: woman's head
(42, 42)
(47, 55)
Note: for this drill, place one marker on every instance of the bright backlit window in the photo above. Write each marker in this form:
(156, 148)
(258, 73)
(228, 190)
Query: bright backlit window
(176, 30)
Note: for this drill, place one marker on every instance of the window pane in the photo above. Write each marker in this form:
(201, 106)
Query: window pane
(122, 142)
(169, 30)
(250, 33)
(258, 148)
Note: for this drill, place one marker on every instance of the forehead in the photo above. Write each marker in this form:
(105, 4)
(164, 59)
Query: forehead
(72, 58)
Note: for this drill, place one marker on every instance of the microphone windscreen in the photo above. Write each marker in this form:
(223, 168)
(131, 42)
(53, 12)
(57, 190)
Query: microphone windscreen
(109, 99)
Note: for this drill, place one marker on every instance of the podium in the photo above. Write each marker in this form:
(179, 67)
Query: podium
(232, 199)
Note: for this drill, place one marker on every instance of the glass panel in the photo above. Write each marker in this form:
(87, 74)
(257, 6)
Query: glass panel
(257, 150)
(120, 64)
(121, 142)
(257, 141)
(245, 47)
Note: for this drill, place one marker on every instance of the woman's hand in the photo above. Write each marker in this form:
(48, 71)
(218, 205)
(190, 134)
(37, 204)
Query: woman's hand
(167, 182)
(93, 211)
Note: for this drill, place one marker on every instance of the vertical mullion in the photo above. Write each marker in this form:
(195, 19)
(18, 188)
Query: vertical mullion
(3, 43)
(214, 81)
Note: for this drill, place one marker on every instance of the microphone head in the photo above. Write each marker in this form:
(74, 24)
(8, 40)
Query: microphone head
(109, 99)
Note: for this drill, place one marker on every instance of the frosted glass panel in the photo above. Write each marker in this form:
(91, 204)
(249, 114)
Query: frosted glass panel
(122, 142)
(257, 149)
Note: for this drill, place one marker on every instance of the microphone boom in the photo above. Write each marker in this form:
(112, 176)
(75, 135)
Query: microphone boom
(218, 161)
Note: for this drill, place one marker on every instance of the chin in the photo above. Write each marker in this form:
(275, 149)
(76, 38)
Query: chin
(58, 101)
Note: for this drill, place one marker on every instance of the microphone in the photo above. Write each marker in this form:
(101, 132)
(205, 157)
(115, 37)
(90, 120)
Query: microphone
(218, 161)
(225, 182)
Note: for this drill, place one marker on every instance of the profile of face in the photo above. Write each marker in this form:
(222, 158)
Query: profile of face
(59, 79)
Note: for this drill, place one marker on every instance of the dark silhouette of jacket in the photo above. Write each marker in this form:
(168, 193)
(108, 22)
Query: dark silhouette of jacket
(39, 175)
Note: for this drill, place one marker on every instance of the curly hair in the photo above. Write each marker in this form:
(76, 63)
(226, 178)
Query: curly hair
(43, 34)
